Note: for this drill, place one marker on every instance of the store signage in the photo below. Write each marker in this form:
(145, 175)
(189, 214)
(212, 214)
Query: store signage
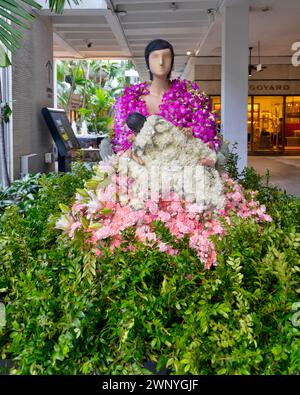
(274, 87)
(296, 55)
(269, 87)
(262, 87)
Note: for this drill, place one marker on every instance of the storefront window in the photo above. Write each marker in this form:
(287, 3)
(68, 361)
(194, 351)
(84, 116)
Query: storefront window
(292, 123)
(249, 127)
(216, 106)
(270, 128)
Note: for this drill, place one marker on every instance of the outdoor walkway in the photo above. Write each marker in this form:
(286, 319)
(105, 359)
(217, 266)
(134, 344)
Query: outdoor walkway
(284, 170)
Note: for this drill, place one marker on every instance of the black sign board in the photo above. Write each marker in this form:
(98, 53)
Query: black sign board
(60, 129)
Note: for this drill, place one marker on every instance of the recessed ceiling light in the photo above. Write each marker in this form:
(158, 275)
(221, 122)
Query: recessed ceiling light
(211, 11)
(121, 13)
(189, 53)
(174, 6)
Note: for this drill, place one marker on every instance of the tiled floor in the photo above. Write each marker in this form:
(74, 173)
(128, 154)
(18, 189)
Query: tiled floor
(284, 170)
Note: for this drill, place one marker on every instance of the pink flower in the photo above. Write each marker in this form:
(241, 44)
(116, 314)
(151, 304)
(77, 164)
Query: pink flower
(152, 206)
(236, 196)
(164, 216)
(107, 218)
(163, 247)
(73, 227)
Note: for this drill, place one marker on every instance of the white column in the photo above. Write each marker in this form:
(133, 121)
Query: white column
(234, 76)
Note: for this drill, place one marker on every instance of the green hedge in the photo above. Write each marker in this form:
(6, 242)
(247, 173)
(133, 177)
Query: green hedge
(236, 319)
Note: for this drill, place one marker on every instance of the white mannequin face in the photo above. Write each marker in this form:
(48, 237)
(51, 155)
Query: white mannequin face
(160, 62)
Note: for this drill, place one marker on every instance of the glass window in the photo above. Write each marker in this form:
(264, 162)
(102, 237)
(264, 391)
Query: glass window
(292, 123)
(216, 106)
(267, 123)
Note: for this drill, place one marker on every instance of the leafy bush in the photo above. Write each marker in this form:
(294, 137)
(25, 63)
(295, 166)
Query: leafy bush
(283, 207)
(21, 192)
(24, 192)
(70, 312)
(146, 305)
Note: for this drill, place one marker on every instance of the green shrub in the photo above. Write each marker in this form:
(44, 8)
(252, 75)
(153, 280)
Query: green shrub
(69, 312)
(145, 305)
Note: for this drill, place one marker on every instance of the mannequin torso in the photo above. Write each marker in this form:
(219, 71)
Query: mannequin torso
(152, 100)
(152, 103)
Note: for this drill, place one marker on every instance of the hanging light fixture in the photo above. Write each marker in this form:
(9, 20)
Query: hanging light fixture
(250, 67)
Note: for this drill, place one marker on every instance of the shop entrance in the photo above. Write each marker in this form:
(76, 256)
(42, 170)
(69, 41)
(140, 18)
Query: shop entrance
(273, 124)
(265, 124)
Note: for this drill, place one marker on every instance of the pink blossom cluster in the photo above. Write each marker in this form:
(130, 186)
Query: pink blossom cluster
(183, 104)
(102, 219)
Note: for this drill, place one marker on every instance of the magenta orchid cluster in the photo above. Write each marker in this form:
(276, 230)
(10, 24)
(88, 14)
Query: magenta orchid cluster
(183, 104)
(101, 219)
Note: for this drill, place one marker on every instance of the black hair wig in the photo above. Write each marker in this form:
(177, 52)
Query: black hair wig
(156, 45)
(135, 121)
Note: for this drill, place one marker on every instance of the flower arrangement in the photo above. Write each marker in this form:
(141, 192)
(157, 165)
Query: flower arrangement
(159, 144)
(99, 217)
(183, 104)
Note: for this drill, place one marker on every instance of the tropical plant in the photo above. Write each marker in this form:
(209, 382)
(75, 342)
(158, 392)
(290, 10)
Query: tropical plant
(70, 77)
(96, 82)
(17, 12)
(95, 113)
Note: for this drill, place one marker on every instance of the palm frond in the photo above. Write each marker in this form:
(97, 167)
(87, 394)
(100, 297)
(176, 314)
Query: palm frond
(59, 5)
(4, 59)
(17, 12)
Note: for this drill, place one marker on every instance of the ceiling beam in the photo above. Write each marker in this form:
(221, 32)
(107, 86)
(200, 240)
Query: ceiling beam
(89, 36)
(64, 45)
(80, 19)
(208, 3)
(162, 6)
(163, 16)
(160, 31)
(80, 28)
(116, 27)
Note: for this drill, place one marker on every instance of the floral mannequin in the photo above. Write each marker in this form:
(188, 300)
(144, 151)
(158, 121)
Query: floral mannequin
(159, 57)
(161, 96)
(178, 132)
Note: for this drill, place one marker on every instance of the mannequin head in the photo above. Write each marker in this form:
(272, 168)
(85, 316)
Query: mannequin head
(135, 121)
(159, 57)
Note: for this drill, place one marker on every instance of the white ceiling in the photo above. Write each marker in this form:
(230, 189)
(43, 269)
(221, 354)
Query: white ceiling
(188, 27)
(184, 27)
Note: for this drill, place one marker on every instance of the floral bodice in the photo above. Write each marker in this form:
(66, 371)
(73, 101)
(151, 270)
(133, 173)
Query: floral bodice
(183, 104)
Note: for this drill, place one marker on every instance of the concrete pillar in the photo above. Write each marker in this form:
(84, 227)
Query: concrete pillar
(234, 75)
(32, 89)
